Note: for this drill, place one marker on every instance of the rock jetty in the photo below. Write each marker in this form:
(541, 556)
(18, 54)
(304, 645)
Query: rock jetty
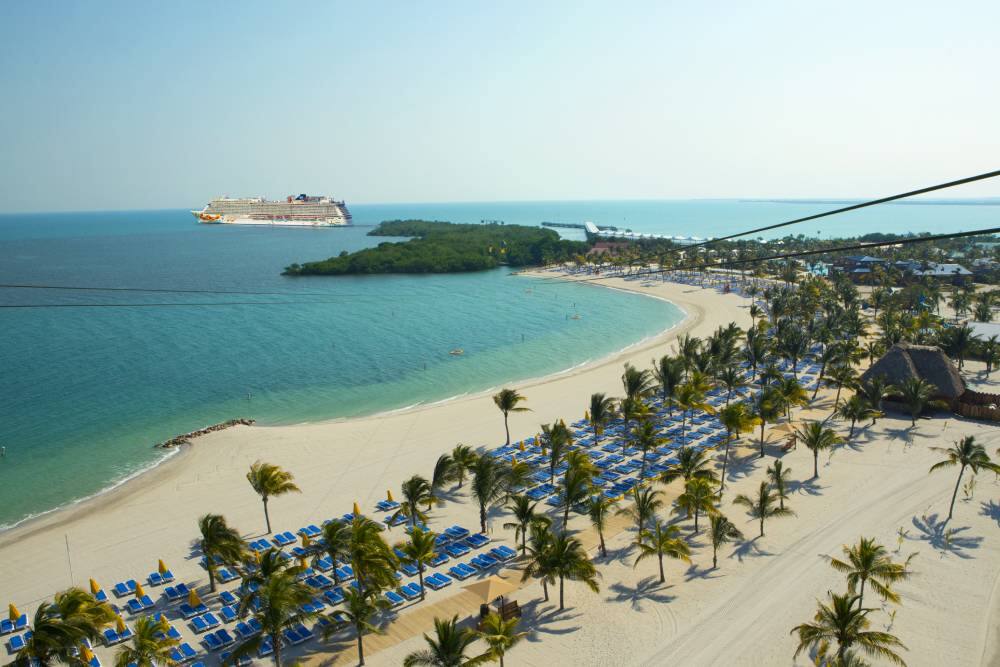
(188, 437)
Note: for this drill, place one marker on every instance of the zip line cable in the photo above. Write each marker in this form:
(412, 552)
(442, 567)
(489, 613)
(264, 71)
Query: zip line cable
(853, 207)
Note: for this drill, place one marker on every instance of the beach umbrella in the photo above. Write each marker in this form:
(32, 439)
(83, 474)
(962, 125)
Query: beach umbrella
(513, 460)
(302, 562)
(12, 612)
(193, 598)
(388, 496)
(161, 567)
(120, 625)
(305, 539)
(87, 654)
(164, 624)
(95, 588)
(491, 588)
(357, 510)
(138, 590)
(520, 445)
(586, 415)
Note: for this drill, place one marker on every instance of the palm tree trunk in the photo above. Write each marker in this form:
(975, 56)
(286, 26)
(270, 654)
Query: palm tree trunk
(210, 565)
(501, 660)
(361, 649)
(762, 424)
(663, 577)
(815, 463)
(482, 517)
(566, 515)
(506, 428)
(715, 557)
(267, 517)
(276, 641)
(545, 589)
(562, 604)
(420, 575)
(762, 526)
(861, 594)
(951, 508)
(696, 509)
(604, 549)
(851, 432)
(725, 462)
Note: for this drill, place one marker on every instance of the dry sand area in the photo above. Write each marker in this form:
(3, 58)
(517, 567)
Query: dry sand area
(740, 614)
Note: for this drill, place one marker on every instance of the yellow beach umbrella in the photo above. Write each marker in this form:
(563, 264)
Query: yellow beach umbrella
(87, 654)
(12, 612)
(162, 567)
(520, 445)
(164, 624)
(586, 415)
(193, 598)
(388, 496)
(95, 588)
(302, 562)
(256, 556)
(513, 460)
(357, 510)
(120, 625)
(305, 540)
(139, 592)
(491, 588)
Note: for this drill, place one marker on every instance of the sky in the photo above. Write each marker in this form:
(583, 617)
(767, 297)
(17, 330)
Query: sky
(126, 105)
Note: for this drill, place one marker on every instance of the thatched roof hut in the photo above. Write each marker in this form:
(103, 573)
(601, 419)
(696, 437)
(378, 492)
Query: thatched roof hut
(928, 362)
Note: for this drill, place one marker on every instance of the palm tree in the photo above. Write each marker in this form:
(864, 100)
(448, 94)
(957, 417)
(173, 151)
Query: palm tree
(854, 409)
(698, 496)
(792, 393)
(645, 504)
(736, 418)
(689, 397)
(778, 474)
(662, 540)
(959, 342)
(419, 551)
(966, 453)
(567, 559)
(447, 647)
(831, 355)
(372, 559)
(489, 485)
(731, 377)
(500, 635)
(868, 561)
(722, 531)
(637, 383)
(691, 463)
(576, 488)
(416, 491)
(598, 508)
(873, 392)
(601, 410)
(840, 376)
(538, 562)
(524, 511)
(444, 472)
(762, 507)
(816, 436)
(150, 646)
(557, 438)
(58, 627)
(276, 605)
(916, 394)
(219, 542)
(669, 373)
(269, 480)
(508, 400)
(270, 563)
(847, 626)
(767, 408)
(358, 610)
(335, 543)
(646, 437)
(463, 458)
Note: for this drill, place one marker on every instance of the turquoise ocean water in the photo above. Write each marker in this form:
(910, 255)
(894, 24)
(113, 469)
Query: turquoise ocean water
(85, 392)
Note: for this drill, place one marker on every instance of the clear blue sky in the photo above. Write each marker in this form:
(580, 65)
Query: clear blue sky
(166, 104)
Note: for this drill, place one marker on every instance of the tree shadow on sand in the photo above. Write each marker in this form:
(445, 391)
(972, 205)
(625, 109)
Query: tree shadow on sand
(741, 467)
(811, 487)
(539, 617)
(707, 572)
(749, 549)
(947, 540)
(991, 509)
(646, 589)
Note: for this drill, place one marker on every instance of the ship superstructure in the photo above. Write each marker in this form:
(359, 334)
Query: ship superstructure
(298, 211)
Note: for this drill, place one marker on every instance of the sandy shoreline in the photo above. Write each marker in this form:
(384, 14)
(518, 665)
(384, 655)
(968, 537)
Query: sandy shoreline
(740, 614)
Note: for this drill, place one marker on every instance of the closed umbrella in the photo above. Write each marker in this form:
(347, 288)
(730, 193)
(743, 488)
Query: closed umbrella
(357, 510)
(193, 598)
(13, 613)
(120, 625)
(95, 588)
(139, 592)
(161, 567)
(388, 496)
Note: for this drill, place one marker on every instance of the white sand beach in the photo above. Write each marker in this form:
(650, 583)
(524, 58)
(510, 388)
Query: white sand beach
(740, 614)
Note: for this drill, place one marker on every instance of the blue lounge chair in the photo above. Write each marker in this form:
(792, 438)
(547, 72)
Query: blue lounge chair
(123, 589)
(139, 605)
(314, 606)
(266, 648)
(188, 612)
(228, 614)
(503, 552)
(457, 550)
(204, 623)
(461, 571)
(439, 559)
(15, 644)
(394, 598)
(157, 579)
(225, 575)
(229, 598)
(178, 592)
(411, 591)
(409, 569)
(334, 596)
(226, 658)
(438, 580)
(324, 564)
(183, 653)
(210, 642)
(477, 541)
(345, 573)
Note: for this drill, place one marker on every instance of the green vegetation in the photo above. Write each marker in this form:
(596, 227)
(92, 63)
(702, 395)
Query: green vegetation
(443, 247)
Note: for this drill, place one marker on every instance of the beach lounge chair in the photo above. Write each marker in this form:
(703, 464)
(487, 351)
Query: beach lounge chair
(461, 571)
(314, 606)
(410, 591)
(183, 653)
(188, 612)
(457, 532)
(139, 605)
(210, 642)
(229, 598)
(345, 573)
(15, 644)
(409, 569)
(477, 541)
(439, 559)
(157, 579)
(123, 589)
(266, 648)
(324, 564)
(394, 598)
(225, 575)
(204, 623)
(226, 658)
(178, 592)
(485, 561)
(438, 580)
(334, 596)
(228, 614)
(457, 550)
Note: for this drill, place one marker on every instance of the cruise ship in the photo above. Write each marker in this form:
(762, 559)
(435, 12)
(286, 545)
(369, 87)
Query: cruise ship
(300, 211)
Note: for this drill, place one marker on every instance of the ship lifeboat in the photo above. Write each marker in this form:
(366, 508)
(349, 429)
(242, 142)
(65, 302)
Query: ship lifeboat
(209, 217)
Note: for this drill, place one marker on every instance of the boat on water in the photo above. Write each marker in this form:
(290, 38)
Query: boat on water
(457, 352)
(298, 211)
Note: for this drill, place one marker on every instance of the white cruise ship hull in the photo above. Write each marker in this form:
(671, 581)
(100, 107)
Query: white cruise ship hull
(209, 219)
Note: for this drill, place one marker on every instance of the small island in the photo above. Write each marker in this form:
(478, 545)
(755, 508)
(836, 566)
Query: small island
(444, 247)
